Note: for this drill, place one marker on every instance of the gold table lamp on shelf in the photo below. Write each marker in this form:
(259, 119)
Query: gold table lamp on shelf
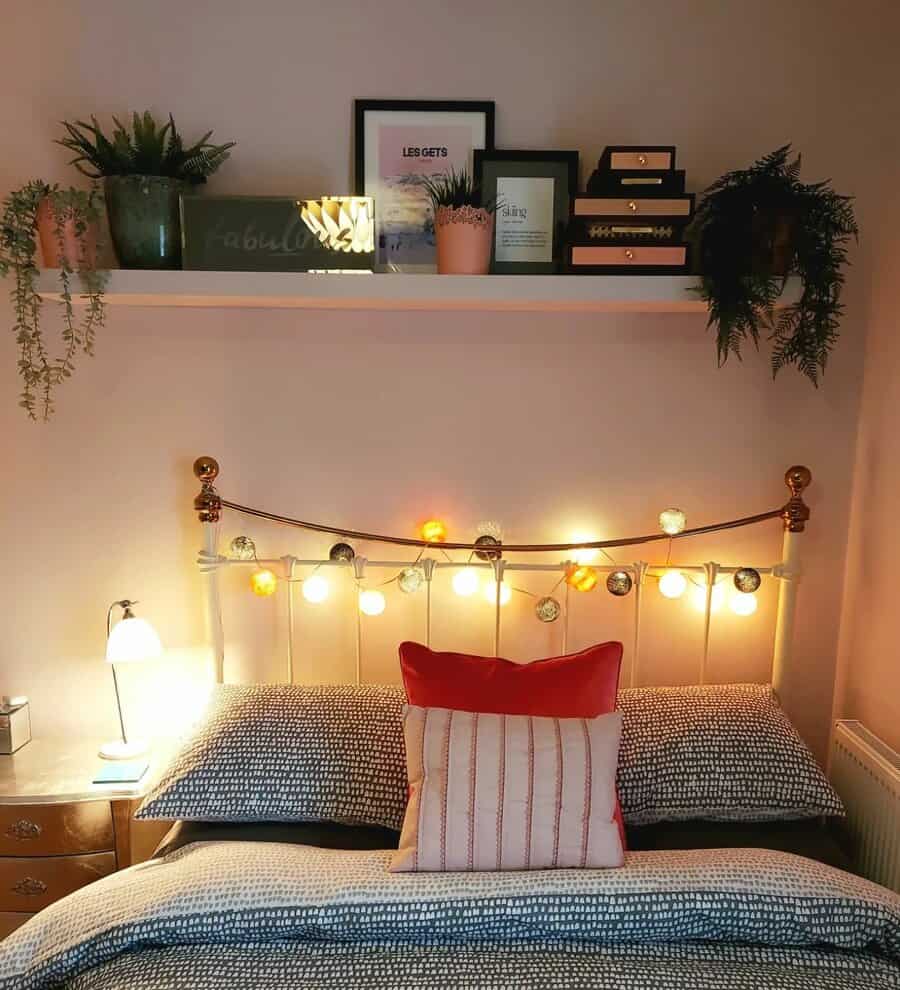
(131, 640)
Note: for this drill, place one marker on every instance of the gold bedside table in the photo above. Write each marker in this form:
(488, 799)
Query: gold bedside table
(58, 830)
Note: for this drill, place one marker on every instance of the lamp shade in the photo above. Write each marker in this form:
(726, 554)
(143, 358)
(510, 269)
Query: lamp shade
(131, 640)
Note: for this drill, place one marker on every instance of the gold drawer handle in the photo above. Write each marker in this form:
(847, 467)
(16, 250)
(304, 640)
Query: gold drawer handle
(29, 887)
(632, 206)
(629, 254)
(23, 830)
(642, 160)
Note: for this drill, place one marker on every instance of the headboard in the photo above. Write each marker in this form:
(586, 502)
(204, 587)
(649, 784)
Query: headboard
(499, 558)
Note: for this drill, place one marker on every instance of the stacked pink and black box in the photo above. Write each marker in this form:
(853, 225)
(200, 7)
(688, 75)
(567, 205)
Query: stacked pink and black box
(632, 218)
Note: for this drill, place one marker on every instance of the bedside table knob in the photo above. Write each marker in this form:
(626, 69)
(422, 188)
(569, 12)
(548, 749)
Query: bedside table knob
(23, 830)
(629, 254)
(632, 206)
(642, 160)
(29, 887)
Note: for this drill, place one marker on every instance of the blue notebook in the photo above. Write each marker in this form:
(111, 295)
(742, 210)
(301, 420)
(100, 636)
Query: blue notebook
(120, 773)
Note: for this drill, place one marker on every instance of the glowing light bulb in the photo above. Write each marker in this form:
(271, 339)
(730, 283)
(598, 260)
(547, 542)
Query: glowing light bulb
(743, 603)
(584, 556)
(263, 583)
(434, 531)
(371, 602)
(315, 589)
(465, 582)
(698, 597)
(490, 592)
(582, 578)
(672, 521)
(672, 584)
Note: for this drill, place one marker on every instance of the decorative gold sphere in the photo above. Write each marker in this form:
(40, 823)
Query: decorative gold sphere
(341, 551)
(206, 468)
(747, 580)
(619, 583)
(488, 541)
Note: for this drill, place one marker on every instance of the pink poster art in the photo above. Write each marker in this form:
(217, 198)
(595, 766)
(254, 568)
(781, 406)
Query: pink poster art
(403, 213)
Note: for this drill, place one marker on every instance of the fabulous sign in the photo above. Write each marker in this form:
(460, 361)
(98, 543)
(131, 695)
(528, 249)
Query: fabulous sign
(277, 233)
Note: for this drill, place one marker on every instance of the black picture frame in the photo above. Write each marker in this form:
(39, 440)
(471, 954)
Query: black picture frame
(368, 171)
(561, 166)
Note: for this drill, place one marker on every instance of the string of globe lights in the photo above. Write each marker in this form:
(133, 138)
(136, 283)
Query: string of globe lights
(578, 574)
(579, 571)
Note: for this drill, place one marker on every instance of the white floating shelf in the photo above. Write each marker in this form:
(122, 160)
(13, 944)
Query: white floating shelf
(290, 290)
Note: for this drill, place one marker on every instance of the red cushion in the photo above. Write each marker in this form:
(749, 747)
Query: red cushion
(579, 685)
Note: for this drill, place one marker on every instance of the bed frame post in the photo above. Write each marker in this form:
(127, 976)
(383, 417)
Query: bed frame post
(795, 515)
(208, 507)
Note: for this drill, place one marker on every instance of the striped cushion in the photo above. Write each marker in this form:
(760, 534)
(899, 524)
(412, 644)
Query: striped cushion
(509, 792)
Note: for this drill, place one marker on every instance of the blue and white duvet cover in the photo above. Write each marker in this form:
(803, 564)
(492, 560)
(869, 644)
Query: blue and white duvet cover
(269, 916)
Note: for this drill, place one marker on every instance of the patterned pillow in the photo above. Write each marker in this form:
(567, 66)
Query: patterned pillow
(283, 752)
(509, 792)
(721, 752)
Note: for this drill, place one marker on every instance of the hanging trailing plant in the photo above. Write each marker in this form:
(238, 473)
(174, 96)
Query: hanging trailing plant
(73, 215)
(757, 227)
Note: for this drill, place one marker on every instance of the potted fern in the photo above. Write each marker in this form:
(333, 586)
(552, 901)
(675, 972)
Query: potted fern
(144, 170)
(463, 225)
(755, 228)
(66, 220)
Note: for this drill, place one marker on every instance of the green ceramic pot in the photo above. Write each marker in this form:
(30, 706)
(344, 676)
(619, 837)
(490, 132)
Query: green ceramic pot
(144, 220)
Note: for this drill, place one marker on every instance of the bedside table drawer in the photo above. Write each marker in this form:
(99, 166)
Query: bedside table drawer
(10, 921)
(56, 829)
(27, 885)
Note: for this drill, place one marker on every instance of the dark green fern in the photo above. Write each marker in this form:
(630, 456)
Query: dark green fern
(741, 285)
(147, 149)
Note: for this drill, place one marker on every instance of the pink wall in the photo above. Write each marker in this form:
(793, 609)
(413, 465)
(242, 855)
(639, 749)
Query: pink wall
(868, 682)
(545, 422)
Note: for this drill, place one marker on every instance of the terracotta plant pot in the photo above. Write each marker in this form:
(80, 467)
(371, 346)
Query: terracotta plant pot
(463, 240)
(74, 249)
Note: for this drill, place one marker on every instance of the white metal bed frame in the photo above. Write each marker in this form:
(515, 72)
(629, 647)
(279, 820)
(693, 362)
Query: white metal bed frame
(793, 515)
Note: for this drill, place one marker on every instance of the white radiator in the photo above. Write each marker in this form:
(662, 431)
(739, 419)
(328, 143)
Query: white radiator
(865, 772)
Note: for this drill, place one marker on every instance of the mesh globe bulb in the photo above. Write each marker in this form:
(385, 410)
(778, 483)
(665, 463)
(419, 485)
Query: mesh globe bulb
(743, 603)
(371, 602)
(263, 583)
(465, 582)
(672, 521)
(490, 593)
(672, 584)
(698, 597)
(315, 589)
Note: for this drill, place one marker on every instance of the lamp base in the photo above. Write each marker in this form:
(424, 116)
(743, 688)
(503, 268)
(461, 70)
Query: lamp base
(119, 750)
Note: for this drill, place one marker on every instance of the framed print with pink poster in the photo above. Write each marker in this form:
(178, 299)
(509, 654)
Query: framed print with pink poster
(397, 144)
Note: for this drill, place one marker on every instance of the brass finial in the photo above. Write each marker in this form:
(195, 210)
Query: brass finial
(207, 504)
(796, 512)
(206, 469)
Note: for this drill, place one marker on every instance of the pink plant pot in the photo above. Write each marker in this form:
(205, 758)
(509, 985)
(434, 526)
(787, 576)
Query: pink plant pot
(73, 248)
(463, 240)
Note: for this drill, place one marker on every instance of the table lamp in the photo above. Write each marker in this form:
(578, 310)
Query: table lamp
(131, 640)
